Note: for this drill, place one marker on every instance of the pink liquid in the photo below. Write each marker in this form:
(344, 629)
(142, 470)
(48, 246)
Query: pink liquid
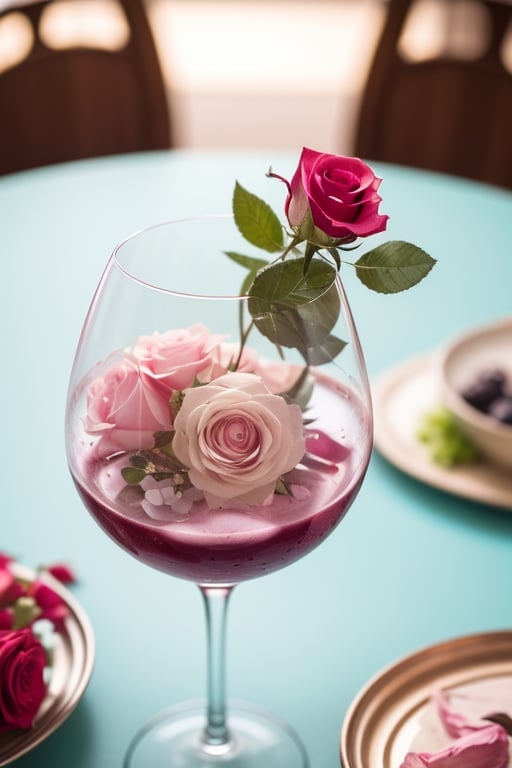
(232, 545)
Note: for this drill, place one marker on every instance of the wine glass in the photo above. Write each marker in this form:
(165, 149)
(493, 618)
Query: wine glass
(216, 437)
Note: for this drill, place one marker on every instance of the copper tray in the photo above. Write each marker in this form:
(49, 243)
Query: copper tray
(383, 720)
(72, 669)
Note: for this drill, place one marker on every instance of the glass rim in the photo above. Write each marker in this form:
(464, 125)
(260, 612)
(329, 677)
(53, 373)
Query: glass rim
(114, 258)
(237, 297)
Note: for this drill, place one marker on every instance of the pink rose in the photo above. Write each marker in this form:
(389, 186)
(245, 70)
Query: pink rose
(125, 410)
(278, 376)
(225, 356)
(338, 193)
(237, 439)
(22, 687)
(176, 358)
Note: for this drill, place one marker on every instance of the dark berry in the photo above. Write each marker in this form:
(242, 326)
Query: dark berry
(501, 409)
(494, 377)
(487, 387)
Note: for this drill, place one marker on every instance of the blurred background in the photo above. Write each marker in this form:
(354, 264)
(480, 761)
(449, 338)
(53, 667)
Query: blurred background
(283, 74)
(258, 73)
(271, 73)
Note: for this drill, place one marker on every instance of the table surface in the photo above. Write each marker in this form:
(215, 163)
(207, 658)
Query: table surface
(408, 567)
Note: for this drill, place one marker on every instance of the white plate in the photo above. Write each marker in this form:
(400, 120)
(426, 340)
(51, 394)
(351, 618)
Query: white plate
(400, 399)
(72, 669)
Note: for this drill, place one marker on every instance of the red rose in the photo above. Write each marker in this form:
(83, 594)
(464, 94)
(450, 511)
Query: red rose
(335, 194)
(22, 687)
(10, 589)
(6, 618)
(51, 605)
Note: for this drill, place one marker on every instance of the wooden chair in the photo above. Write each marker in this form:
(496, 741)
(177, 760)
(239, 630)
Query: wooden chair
(60, 104)
(446, 113)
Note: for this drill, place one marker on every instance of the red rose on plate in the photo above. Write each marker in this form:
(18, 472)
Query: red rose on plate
(334, 195)
(10, 588)
(22, 687)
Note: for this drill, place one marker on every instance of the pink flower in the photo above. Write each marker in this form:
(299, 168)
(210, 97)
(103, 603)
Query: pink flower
(6, 618)
(52, 606)
(62, 572)
(339, 194)
(279, 376)
(476, 745)
(174, 359)
(237, 439)
(131, 401)
(455, 723)
(225, 356)
(486, 747)
(125, 409)
(10, 588)
(22, 687)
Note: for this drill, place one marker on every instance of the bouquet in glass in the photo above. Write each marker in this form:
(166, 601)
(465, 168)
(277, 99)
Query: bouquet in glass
(219, 428)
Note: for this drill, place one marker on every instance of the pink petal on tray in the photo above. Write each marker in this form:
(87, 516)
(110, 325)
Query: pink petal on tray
(488, 747)
(455, 723)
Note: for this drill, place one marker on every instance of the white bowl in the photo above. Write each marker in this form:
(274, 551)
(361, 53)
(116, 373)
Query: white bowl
(461, 361)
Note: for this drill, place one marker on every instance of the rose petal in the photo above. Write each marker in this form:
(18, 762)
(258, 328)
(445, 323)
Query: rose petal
(62, 572)
(10, 588)
(52, 606)
(487, 747)
(454, 722)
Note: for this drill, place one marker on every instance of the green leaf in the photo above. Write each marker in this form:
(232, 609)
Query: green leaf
(131, 494)
(132, 475)
(138, 461)
(256, 220)
(175, 402)
(326, 351)
(159, 476)
(295, 310)
(393, 267)
(282, 487)
(26, 610)
(162, 439)
(310, 251)
(301, 391)
(249, 262)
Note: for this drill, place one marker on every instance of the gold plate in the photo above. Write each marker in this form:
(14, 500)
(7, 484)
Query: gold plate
(72, 669)
(383, 720)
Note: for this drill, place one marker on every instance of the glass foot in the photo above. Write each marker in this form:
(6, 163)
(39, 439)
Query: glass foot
(174, 739)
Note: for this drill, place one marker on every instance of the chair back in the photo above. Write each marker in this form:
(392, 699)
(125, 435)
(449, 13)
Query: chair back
(445, 113)
(77, 101)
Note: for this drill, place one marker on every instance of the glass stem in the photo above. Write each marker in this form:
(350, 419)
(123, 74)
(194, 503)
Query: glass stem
(216, 608)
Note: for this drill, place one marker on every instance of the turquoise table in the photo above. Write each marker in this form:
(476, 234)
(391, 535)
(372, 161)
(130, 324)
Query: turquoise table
(409, 566)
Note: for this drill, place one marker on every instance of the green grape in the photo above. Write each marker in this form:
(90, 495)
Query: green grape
(447, 445)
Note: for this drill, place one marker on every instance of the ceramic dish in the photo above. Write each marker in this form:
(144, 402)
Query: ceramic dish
(400, 399)
(386, 717)
(462, 362)
(73, 663)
